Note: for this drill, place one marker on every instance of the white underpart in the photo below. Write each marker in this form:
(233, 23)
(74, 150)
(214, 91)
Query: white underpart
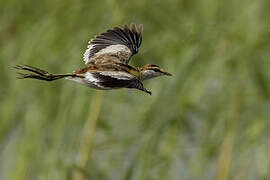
(112, 49)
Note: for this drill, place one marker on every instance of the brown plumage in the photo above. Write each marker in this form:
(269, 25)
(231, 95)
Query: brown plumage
(107, 58)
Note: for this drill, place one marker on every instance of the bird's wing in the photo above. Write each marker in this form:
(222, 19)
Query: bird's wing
(118, 42)
(110, 79)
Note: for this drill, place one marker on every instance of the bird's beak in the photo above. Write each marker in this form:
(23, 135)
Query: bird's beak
(166, 73)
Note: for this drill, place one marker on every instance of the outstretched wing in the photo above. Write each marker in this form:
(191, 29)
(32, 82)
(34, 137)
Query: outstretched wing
(118, 42)
(112, 80)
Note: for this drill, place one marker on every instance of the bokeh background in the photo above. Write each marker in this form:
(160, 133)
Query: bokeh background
(208, 121)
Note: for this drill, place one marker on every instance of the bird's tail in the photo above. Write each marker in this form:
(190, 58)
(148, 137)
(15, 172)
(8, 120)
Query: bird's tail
(39, 74)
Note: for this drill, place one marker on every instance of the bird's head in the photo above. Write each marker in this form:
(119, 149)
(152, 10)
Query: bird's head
(149, 71)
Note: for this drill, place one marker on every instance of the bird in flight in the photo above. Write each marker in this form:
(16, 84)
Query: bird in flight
(107, 57)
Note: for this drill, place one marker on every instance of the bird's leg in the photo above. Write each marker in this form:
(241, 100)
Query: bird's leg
(32, 69)
(38, 73)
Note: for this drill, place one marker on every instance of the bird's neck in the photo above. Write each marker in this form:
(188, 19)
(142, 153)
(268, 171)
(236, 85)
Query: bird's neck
(140, 73)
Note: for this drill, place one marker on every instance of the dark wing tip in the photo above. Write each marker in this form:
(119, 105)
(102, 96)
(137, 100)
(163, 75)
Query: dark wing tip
(134, 34)
(127, 35)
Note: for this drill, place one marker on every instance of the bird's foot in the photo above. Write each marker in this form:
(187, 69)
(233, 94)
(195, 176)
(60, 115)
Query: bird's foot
(38, 73)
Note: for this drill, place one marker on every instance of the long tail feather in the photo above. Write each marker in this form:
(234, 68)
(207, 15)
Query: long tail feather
(39, 73)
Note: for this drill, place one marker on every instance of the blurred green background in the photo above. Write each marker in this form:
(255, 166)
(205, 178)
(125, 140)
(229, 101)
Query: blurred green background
(208, 121)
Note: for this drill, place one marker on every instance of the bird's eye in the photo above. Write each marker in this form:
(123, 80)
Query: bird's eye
(156, 69)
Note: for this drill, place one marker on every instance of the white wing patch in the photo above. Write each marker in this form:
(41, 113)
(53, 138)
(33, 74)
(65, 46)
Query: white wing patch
(114, 49)
(105, 79)
(91, 78)
(118, 75)
(93, 82)
(89, 81)
(118, 50)
(86, 55)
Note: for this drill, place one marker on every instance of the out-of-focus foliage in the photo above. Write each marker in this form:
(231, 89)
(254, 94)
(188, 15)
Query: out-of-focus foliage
(209, 121)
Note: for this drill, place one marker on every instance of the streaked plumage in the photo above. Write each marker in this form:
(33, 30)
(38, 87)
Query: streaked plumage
(107, 57)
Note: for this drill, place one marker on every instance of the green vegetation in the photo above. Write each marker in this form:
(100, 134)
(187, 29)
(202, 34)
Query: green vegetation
(209, 121)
